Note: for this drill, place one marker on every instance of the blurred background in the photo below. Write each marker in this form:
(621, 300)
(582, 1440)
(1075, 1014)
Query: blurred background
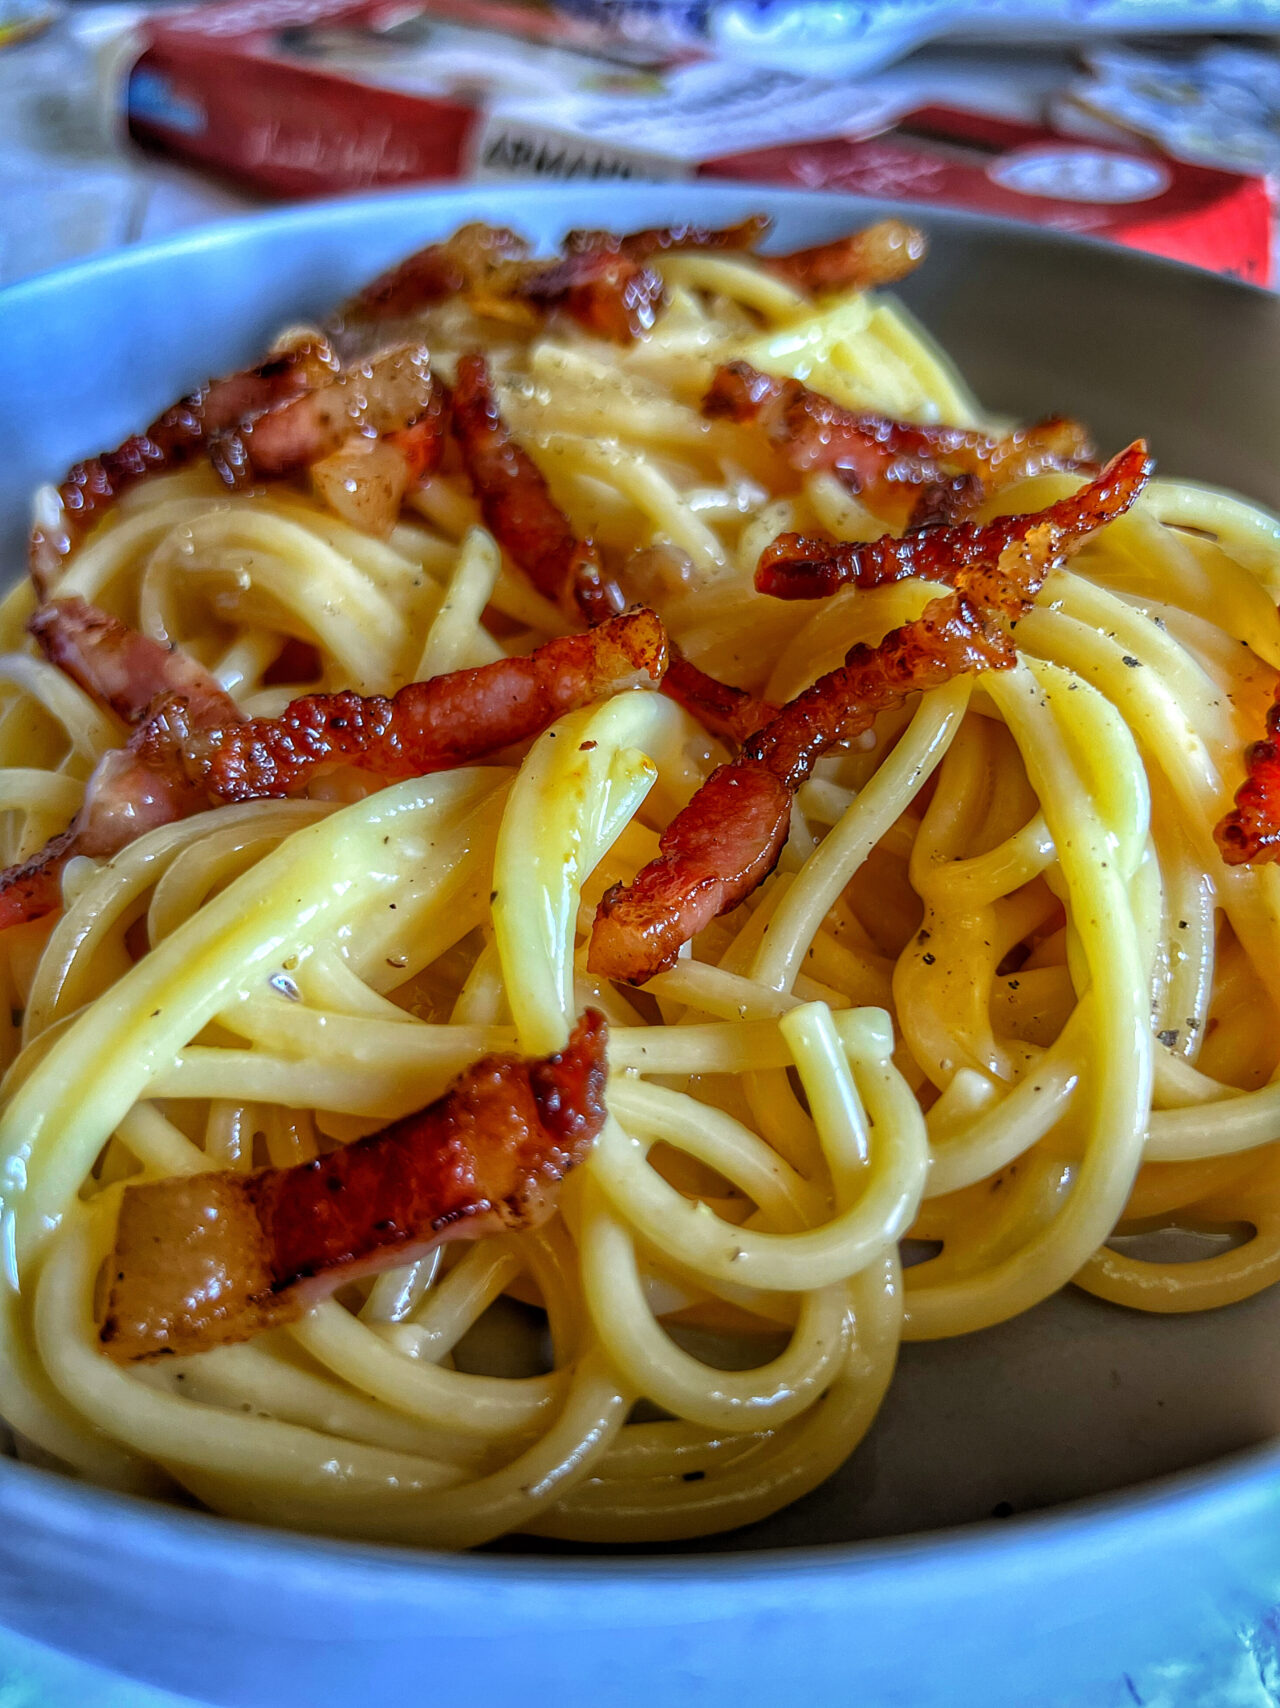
(1154, 123)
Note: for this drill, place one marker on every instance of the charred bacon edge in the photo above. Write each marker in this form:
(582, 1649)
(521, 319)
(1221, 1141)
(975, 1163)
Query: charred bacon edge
(178, 762)
(728, 838)
(519, 511)
(175, 438)
(909, 474)
(967, 554)
(208, 1259)
(601, 279)
(1249, 833)
(455, 719)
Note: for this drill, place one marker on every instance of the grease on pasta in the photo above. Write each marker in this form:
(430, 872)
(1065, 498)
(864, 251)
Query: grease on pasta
(1001, 993)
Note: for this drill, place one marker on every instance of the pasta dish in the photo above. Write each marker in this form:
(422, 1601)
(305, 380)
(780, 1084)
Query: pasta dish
(590, 847)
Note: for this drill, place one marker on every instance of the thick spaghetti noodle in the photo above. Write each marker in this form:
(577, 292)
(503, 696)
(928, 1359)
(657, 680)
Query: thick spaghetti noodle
(1001, 992)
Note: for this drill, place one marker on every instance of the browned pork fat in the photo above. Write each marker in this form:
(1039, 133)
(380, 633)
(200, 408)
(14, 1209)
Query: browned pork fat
(879, 254)
(122, 669)
(1250, 832)
(205, 1259)
(600, 278)
(908, 475)
(529, 525)
(391, 394)
(990, 560)
(727, 840)
(290, 414)
(517, 505)
(428, 726)
(185, 431)
(192, 749)
(135, 787)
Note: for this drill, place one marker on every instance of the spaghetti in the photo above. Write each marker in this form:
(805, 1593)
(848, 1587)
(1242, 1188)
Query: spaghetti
(992, 984)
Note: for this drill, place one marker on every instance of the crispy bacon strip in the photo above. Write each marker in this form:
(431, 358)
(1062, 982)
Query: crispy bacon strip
(877, 255)
(670, 239)
(517, 505)
(603, 282)
(1250, 832)
(909, 475)
(531, 527)
(207, 1259)
(389, 396)
(130, 791)
(976, 556)
(123, 800)
(599, 278)
(33, 888)
(609, 293)
(731, 713)
(428, 726)
(122, 669)
(462, 264)
(727, 840)
(193, 750)
(66, 513)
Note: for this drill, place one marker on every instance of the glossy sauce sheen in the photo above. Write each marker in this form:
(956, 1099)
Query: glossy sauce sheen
(206, 1259)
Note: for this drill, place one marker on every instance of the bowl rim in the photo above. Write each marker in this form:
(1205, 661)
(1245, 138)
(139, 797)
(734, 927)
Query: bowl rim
(1186, 1508)
(1200, 1501)
(337, 211)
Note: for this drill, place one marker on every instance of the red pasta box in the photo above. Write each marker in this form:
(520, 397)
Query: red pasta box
(1118, 190)
(264, 91)
(305, 97)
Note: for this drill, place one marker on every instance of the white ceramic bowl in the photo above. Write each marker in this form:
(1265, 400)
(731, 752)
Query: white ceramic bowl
(1112, 1598)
